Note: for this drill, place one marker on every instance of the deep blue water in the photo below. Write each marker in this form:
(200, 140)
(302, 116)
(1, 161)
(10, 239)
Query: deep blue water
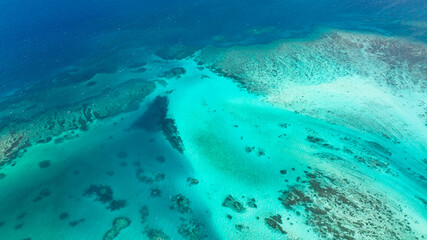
(38, 37)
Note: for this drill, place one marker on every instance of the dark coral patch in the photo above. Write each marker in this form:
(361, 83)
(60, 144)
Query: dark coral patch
(156, 234)
(275, 222)
(320, 142)
(21, 216)
(102, 193)
(251, 203)
(181, 203)
(44, 164)
(63, 216)
(91, 83)
(155, 193)
(117, 204)
(119, 224)
(76, 222)
(173, 73)
(232, 203)
(192, 181)
(241, 227)
(338, 209)
(144, 213)
(42, 194)
(19, 226)
(192, 230)
(149, 178)
(155, 119)
(122, 154)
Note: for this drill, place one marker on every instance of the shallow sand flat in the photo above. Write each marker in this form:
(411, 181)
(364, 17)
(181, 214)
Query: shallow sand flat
(224, 120)
(359, 68)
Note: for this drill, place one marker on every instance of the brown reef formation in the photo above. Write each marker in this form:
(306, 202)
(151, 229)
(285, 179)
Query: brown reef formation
(337, 208)
(39, 115)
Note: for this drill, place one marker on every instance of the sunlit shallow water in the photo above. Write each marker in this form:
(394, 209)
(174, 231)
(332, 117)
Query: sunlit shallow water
(198, 121)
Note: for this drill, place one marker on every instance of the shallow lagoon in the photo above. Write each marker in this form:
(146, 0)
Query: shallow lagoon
(321, 136)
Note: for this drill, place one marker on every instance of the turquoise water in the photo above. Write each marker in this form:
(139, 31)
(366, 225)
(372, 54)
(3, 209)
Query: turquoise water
(213, 120)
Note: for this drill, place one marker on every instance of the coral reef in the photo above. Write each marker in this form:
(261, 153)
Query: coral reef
(338, 209)
(122, 154)
(251, 202)
(233, 204)
(156, 234)
(155, 118)
(44, 164)
(51, 116)
(192, 181)
(321, 142)
(173, 73)
(181, 203)
(149, 178)
(42, 194)
(241, 227)
(176, 52)
(275, 222)
(119, 224)
(155, 193)
(104, 194)
(117, 204)
(192, 230)
(294, 74)
(76, 222)
(144, 213)
(63, 216)
(172, 135)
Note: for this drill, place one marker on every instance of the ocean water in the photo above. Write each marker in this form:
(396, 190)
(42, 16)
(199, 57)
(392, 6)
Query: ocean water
(213, 120)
